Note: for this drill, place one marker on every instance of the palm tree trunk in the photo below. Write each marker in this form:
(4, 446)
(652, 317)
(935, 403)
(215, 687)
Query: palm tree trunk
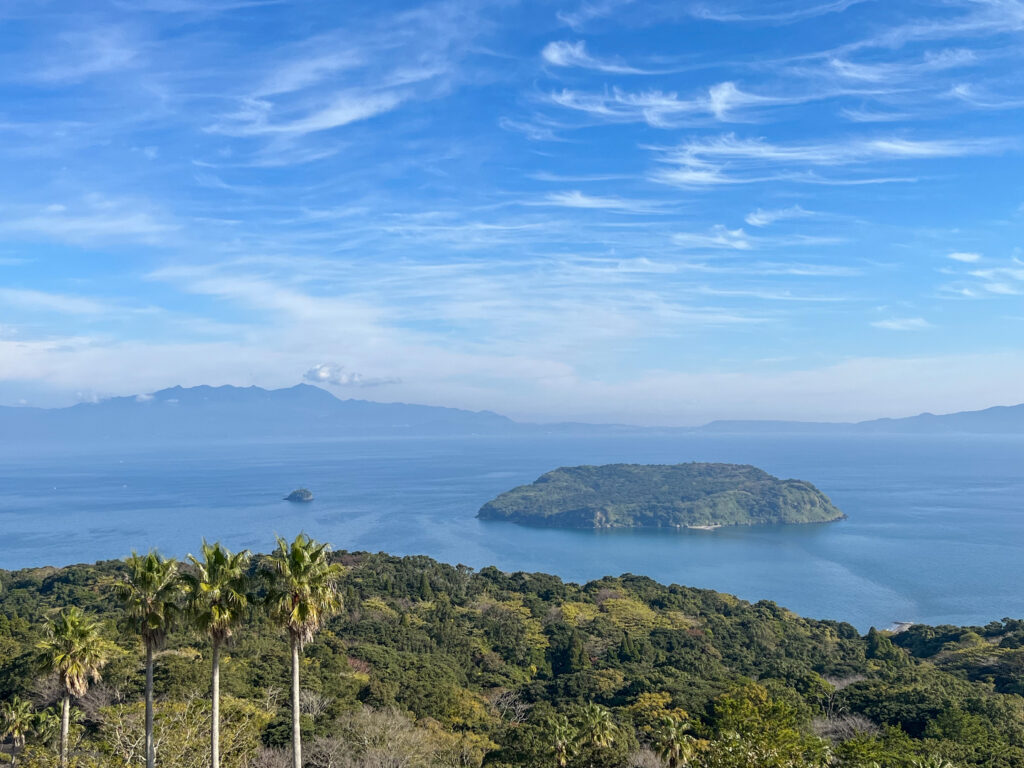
(296, 708)
(65, 726)
(215, 716)
(150, 747)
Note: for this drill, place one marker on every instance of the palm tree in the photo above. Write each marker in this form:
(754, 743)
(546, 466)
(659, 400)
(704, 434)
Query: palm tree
(563, 740)
(46, 726)
(150, 592)
(73, 648)
(217, 600)
(672, 742)
(17, 720)
(597, 726)
(303, 593)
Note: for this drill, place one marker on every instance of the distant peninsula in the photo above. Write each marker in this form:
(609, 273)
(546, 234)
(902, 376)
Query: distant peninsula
(694, 495)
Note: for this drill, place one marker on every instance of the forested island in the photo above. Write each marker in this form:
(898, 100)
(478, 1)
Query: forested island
(418, 664)
(693, 495)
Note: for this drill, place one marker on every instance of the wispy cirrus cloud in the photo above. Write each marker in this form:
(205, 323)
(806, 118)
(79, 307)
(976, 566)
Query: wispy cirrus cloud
(94, 219)
(561, 53)
(903, 324)
(255, 119)
(763, 218)
(771, 12)
(590, 10)
(892, 72)
(84, 53)
(577, 199)
(46, 301)
(728, 159)
(724, 102)
(718, 238)
(964, 257)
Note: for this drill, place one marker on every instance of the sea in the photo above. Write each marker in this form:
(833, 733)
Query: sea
(935, 528)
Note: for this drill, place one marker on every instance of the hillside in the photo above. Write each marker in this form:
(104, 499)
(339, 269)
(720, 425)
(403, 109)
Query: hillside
(443, 666)
(661, 496)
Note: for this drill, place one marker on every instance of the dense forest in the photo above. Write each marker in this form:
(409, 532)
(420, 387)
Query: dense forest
(661, 496)
(419, 664)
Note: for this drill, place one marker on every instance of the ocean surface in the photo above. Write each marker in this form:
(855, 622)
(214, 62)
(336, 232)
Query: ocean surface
(935, 531)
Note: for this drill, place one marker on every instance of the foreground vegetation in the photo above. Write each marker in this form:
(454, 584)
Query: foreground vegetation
(661, 496)
(424, 665)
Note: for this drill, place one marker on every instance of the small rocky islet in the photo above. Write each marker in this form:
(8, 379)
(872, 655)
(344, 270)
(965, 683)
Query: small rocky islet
(300, 495)
(695, 495)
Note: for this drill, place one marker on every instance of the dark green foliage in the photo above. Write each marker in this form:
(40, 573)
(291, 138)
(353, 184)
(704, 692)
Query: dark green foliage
(660, 496)
(518, 660)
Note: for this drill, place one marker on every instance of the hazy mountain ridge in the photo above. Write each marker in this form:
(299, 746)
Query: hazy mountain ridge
(306, 411)
(241, 412)
(1000, 419)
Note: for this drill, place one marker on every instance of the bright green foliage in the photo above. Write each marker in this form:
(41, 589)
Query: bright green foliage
(673, 743)
(660, 495)
(17, 721)
(597, 727)
(217, 591)
(303, 589)
(151, 594)
(74, 649)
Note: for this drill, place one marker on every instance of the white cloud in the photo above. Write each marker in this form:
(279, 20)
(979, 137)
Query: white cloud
(308, 70)
(94, 219)
(42, 301)
(337, 375)
(565, 54)
(725, 102)
(87, 53)
(718, 237)
(903, 324)
(725, 99)
(764, 218)
(588, 11)
(967, 258)
(902, 71)
(728, 159)
(577, 199)
(787, 13)
(343, 109)
(1002, 289)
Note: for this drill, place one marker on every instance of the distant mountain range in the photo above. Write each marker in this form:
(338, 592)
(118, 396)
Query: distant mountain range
(179, 413)
(305, 411)
(1001, 419)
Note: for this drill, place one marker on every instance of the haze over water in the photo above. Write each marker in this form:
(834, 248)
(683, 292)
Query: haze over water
(935, 531)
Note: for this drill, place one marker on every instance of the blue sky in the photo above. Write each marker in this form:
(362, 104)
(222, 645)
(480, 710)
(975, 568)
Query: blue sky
(604, 210)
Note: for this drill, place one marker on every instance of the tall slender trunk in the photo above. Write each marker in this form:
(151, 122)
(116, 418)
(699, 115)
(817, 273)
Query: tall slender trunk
(296, 708)
(150, 747)
(215, 715)
(65, 726)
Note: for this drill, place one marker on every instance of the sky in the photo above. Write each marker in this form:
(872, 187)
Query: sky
(641, 212)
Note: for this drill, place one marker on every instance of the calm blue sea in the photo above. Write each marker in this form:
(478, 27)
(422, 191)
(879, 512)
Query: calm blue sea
(935, 530)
